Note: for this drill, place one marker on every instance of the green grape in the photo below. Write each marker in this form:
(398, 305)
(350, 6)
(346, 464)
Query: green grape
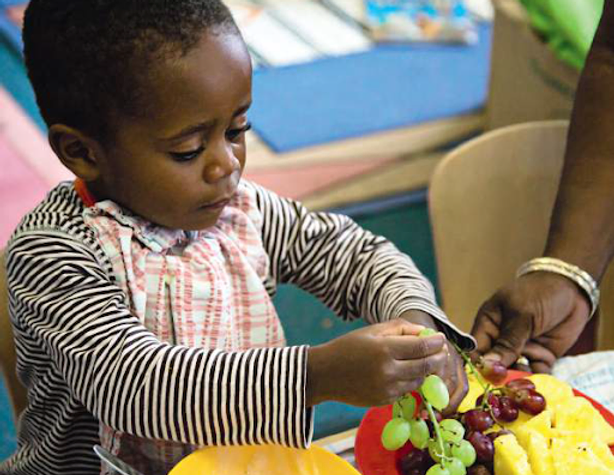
(452, 430)
(408, 405)
(465, 452)
(438, 470)
(435, 392)
(427, 332)
(435, 452)
(419, 437)
(397, 409)
(395, 434)
(455, 466)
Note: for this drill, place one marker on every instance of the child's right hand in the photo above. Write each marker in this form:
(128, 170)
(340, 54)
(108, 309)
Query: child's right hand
(373, 366)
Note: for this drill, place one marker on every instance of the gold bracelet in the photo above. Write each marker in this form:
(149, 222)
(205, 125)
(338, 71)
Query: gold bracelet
(580, 277)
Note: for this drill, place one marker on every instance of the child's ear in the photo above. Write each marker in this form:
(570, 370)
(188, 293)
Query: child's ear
(78, 152)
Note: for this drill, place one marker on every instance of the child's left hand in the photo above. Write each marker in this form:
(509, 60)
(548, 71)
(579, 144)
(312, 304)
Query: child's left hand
(455, 376)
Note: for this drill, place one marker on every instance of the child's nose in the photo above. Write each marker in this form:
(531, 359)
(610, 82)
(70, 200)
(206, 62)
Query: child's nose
(221, 163)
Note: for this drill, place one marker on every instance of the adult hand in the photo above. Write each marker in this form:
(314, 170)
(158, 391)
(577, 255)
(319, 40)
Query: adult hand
(539, 315)
(453, 372)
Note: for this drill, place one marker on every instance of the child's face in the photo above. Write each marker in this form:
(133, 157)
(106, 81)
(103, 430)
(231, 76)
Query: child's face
(180, 163)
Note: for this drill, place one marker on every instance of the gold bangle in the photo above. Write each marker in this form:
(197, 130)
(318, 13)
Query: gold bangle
(580, 277)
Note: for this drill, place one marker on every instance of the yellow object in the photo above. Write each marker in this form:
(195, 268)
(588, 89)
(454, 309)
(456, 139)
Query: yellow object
(555, 391)
(263, 460)
(510, 457)
(541, 423)
(474, 391)
(599, 448)
(523, 418)
(570, 437)
(540, 457)
(574, 459)
(578, 416)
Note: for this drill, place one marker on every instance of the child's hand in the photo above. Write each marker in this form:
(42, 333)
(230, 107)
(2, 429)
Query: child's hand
(374, 365)
(454, 369)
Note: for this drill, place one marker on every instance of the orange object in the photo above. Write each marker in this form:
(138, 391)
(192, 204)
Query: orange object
(263, 460)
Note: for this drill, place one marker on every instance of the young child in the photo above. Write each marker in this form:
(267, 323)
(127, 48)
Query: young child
(141, 293)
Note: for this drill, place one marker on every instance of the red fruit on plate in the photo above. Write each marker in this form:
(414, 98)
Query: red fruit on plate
(493, 402)
(508, 410)
(478, 420)
(484, 448)
(520, 383)
(415, 460)
(493, 371)
(529, 401)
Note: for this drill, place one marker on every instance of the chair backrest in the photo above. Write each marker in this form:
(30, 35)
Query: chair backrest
(7, 348)
(490, 202)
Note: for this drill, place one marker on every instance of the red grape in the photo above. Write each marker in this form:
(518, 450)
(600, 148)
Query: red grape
(529, 401)
(493, 371)
(508, 409)
(415, 460)
(478, 420)
(484, 448)
(521, 383)
(493, 402)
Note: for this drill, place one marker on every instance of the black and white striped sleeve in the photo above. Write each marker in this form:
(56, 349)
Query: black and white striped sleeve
(354, 272)
(78, 318)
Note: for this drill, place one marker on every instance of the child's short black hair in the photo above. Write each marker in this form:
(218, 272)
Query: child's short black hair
(85, 58)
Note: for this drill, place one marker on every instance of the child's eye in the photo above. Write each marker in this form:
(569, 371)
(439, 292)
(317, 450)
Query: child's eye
(187, 156)
(234, 134)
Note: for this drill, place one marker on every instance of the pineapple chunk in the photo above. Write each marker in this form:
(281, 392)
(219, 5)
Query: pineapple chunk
(599, 448)
(510, 457)
(475, 390)
(542, 423)
(523, 418)
(555, 391)
(540, 457)
(574, 459)
(578, 416)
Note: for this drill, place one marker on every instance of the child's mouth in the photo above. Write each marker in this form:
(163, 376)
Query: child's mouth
(216, 205)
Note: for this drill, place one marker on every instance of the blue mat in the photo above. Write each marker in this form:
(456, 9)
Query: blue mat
(349, 96)
(8, 439)
(385, 88)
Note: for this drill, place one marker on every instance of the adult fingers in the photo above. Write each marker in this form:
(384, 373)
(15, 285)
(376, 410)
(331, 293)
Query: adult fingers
(486, 325)
(514, 333)
(541, 358)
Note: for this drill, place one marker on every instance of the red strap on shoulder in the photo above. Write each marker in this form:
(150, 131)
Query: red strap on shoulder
(85, 195)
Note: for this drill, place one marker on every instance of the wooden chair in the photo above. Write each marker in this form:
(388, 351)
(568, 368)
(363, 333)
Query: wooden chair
(490, 202)
(7, 349)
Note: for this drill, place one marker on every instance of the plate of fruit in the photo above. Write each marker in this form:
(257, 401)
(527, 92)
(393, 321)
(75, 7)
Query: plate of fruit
(510, 423)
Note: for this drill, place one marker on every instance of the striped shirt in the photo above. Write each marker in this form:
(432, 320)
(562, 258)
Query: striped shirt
(92, 363)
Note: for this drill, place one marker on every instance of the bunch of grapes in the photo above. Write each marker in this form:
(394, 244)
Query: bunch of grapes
(458, 445)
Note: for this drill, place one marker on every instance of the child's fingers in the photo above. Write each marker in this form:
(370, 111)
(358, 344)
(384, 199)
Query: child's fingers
(414, 347)
(399, 327)
(411, 373)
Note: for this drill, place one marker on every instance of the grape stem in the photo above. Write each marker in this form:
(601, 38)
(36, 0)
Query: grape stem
(472, 368)
(438, 436)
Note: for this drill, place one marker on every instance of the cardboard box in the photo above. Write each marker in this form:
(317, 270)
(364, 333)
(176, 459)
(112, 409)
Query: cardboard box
(528, 82)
